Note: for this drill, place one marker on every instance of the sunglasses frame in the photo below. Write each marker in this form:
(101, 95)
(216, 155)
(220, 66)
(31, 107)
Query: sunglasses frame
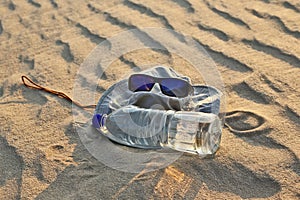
(159, 80)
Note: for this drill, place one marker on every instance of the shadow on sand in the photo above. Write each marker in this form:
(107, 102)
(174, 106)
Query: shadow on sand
(93, 180)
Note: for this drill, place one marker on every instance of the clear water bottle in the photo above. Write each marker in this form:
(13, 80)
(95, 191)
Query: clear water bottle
(193, 132)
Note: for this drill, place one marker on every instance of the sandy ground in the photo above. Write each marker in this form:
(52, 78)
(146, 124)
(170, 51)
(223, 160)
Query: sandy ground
(255, 45)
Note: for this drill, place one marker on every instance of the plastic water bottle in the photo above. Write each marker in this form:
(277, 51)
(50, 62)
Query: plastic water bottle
(193, 132)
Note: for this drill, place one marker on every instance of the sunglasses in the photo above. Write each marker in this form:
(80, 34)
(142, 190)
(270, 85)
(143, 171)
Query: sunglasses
(173, 87)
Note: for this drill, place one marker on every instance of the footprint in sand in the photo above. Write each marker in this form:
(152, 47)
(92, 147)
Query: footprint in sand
(252, 129)
(245, 123)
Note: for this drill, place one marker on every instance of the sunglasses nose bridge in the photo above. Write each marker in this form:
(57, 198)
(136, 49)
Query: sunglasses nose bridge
(156, 88)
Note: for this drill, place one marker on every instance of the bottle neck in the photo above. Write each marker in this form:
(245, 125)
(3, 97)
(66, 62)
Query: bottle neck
(98, 120)
(102, 121)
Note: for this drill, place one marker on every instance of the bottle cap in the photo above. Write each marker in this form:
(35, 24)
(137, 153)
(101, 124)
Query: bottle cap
(97, 121)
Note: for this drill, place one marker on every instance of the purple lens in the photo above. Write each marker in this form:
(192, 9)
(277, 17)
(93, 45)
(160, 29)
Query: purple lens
(141, 83)
(174, 87)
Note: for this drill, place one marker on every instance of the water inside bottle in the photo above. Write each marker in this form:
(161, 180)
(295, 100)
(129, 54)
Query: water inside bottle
(199, 133)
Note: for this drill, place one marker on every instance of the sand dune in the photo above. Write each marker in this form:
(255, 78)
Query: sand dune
(255, 45)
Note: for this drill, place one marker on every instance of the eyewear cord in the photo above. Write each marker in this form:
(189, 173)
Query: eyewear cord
(57, 93)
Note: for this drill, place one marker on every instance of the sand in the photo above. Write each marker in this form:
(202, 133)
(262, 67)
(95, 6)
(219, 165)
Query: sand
(255, 45)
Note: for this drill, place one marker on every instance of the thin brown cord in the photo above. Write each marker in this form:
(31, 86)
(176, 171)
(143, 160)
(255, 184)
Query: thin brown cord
(59, 94)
